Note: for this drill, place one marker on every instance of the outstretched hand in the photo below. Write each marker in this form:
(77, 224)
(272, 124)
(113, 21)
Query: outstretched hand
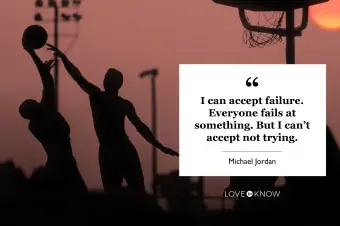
(49, 64)
(56, 51)
(169, 151)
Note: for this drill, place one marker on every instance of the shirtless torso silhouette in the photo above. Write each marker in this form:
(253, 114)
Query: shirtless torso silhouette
(51, 129)
(118, 158)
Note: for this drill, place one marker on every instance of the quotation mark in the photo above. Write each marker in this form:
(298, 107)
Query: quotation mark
(254, 83)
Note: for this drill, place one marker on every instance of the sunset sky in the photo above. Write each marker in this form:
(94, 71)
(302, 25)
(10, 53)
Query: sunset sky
(132, 38)
(326, 16)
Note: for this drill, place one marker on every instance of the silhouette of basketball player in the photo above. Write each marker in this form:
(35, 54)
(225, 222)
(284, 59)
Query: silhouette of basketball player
(51, 129)
(118, 158)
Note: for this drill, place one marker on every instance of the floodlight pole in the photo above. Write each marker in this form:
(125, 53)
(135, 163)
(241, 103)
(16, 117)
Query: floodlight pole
(56, 36)
(154, 131)
(56, 66)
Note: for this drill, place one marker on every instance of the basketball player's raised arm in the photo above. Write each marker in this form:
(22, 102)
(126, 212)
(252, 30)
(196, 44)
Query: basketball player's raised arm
(74, 72)
(47, 80)
(141, 127)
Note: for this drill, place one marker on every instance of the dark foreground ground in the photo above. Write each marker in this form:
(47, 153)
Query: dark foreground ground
(100, 209)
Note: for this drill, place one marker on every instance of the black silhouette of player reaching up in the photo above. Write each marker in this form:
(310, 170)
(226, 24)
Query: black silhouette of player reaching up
(51, 129)
(118, 158)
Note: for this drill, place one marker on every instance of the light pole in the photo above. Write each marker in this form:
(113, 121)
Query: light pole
(152, 74)
(75, 17)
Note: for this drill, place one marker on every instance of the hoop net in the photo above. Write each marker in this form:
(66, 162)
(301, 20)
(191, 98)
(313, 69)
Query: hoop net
(264, 19)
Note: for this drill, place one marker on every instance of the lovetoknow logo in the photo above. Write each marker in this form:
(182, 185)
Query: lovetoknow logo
(251, 193)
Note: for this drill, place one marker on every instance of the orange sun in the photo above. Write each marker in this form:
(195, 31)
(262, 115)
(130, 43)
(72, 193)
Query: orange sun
(326, 15)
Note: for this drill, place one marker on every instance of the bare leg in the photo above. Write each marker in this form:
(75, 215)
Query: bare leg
(132, 170)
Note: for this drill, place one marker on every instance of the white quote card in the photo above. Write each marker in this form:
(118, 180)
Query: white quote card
(252, 120)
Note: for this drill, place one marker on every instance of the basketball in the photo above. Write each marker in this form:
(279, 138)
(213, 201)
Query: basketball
(35, 36)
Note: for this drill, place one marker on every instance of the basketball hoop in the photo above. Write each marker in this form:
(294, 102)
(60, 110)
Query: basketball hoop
(268, 30)
(271, 20)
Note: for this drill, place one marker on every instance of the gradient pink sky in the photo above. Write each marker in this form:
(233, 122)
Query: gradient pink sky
(132, 38)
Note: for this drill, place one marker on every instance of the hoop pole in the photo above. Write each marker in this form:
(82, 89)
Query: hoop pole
(290, 36)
